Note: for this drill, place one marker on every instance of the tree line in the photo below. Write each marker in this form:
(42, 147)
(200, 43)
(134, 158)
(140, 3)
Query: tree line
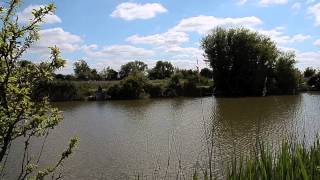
(162, 70)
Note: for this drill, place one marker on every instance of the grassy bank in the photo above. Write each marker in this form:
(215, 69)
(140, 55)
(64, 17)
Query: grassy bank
(133, 87)
(291, 161)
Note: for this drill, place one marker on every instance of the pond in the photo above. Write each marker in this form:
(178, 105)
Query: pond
(157, 138)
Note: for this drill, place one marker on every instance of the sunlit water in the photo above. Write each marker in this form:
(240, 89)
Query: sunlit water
(120, 139)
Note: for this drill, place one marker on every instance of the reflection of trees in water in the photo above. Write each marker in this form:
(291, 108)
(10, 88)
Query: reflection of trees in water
(234, 125)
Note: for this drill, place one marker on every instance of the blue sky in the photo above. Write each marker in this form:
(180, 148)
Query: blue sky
(113, 32)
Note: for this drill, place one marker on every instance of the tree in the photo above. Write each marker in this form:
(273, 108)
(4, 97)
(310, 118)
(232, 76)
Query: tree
(132, 67)
(285, 74)
(162, 70)
(94, 75)
(109, 74)
(309, 72)
(206, 72)
(314, 81)
(20, 117)
(241, 60)
(82, 70)
(133, 86)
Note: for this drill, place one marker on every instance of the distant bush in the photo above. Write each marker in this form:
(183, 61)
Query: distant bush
(154, 90)
(175, 86)
(56, 91)
(132, 87)
(114, 91)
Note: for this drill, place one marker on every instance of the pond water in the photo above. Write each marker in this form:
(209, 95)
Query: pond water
(157, 138)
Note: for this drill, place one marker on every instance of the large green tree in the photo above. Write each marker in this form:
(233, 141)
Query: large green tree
(243, 61)
(132, 67)
(206, 72)
(162, 70)
(82, 70)
(109, 74)
(20, 117)
(286, 76)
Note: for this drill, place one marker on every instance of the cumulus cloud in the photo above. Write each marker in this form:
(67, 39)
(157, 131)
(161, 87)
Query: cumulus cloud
(202, 24)
(315, 11)
(131, 11)
(241, 2)
(269, 2)
(296, 6)
(277, 34)
(26, 15)
(308, 59)
(167, 38)
(117, 52)
(317, 43)
(66, 41)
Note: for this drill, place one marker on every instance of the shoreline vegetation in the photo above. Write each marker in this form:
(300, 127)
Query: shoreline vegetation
(139, 84)
(242, 63)
(292, 161)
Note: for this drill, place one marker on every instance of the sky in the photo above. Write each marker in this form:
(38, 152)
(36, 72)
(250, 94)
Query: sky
(113, 32)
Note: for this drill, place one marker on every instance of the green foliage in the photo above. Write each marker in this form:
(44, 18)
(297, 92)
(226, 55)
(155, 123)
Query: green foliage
(206, 72)
(154, 90)
(241, 60)
(132, 87)
(314, 81)
(55, 91)
(162, 70)
(187, 73)
(293, 161)
(132, 67)
(20, 116)
(94, 75)
(286, 77)
(175, 86)
(109, 74)
(309, 72)
(82, 70)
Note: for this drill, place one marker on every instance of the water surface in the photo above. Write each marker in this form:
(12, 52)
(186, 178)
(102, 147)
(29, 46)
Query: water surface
(120, 139)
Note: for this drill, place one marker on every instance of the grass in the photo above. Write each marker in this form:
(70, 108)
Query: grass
(293, 161)
(87, 88)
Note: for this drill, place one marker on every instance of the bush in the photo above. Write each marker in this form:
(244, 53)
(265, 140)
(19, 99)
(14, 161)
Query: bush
(246, 63)
(56, 91)
(154, 90)
(114, 91)
(132, 87)
(174, 87)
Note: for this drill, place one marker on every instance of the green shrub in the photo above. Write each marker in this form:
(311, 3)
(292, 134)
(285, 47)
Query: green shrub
(56, 91)
(114, 91)
(154, 90)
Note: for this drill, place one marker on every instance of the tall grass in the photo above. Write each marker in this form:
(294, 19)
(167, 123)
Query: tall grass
(291, 161)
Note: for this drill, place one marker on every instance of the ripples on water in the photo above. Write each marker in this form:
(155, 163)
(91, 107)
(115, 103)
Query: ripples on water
(125, 138)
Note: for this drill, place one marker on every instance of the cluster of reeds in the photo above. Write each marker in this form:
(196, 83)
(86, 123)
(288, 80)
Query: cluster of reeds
(291, 161)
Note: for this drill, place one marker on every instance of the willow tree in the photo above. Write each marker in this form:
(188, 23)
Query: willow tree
(20, 116)
(241, 60)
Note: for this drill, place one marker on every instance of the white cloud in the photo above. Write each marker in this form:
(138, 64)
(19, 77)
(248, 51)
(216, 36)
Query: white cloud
(116, 52)
(26, 15)
(269, 2)
(315, 11)
(202, 24)
(242, 2)
(310, 1)
(167, 38)
(277, 34)
(131, 11)
(317, 43)
(296, 6)
(66, 41)
(308, 59)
